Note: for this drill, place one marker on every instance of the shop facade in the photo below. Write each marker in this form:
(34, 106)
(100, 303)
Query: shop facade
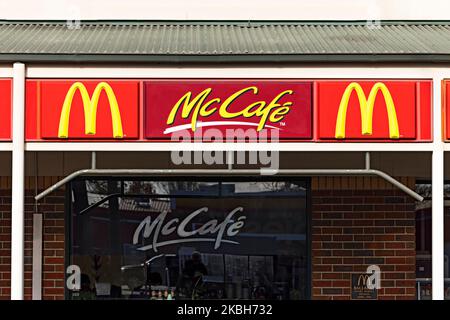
(272, 176)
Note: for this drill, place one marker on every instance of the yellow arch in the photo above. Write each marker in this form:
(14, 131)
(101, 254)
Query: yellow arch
(364, 278)
(90, 110)
(366, 108)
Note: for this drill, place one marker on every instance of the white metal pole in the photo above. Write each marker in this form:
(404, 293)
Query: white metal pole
(438, 225)
(437, 205)
(17, 208)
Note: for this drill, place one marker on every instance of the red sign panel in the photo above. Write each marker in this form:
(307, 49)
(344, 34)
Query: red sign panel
(5, 109)
(374, 110)
(189, 105)
(80, 109)
(446, 109)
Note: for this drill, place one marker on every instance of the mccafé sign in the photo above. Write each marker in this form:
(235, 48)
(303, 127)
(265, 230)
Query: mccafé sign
(5, 109)
(283, 106)
(153, 233)
(292, 110)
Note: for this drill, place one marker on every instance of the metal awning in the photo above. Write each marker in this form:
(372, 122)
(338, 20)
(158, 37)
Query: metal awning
(221, 41)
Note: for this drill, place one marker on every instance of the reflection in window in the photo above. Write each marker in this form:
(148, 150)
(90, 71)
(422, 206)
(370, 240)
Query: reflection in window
(262, 187)
(190, 240)
(424, 245)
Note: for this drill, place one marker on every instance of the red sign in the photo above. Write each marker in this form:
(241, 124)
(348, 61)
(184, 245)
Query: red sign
(80, 109)
(374, 110)
(172, 106)
(446, 109)
(140, 109)
(5, 109)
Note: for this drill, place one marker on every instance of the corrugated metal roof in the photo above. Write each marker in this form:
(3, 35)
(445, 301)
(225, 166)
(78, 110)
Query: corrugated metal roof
(224, 41)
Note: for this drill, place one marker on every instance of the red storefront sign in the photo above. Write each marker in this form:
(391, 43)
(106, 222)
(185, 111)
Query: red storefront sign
(374, 110)
(297, 110)
(5, 109)
(172, 106)
(446, 109)
(82, 109)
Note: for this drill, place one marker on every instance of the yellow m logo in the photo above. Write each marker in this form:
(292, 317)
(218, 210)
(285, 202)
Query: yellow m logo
(362, 280)
(90, 110)
(366, 109)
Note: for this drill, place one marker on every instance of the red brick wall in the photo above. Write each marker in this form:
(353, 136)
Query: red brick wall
(356, 223)
(52, 208)
(5, 243)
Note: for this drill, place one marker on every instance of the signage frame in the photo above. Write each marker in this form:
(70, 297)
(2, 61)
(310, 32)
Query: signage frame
(423, 123)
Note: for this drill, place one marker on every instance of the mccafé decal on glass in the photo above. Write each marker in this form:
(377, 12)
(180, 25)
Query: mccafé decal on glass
(193, 106)
(5, 109)
(84, 109)
(374, 110)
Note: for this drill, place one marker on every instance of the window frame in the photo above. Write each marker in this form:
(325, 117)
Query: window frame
(220, 179)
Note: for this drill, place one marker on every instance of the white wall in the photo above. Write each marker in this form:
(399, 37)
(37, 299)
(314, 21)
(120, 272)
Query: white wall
(226, 9)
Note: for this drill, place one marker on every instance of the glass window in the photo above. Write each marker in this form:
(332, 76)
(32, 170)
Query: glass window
(148, 239)
(423, 242)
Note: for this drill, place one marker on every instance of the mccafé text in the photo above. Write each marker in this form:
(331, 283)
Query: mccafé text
(202, 106)
(159, 227)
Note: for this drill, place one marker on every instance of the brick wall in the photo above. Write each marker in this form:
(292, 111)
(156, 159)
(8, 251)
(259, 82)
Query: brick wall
(52, 208)
(357, 222)
(5, 243)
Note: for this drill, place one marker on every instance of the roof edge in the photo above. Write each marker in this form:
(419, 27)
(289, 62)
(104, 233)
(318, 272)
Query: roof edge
(218, 59)
(235, 22)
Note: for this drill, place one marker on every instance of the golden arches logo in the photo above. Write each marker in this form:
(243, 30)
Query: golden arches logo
(90, 110)
(366, 108)
(362, 280)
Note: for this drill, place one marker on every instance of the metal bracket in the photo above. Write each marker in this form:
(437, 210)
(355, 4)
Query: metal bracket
(93, 160)
(367, 160)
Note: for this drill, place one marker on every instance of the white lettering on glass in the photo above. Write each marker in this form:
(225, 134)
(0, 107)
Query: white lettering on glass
(153, 229)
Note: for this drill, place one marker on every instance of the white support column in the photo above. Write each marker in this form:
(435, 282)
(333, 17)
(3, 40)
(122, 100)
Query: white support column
(37, 257)
(437, 180)
(18, 176)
